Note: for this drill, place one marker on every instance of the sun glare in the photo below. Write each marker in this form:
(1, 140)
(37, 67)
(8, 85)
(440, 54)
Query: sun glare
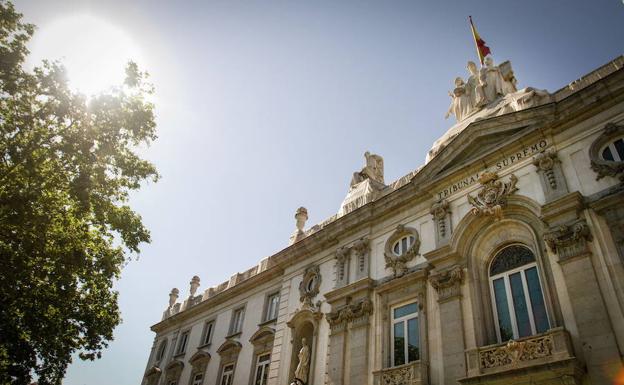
(94, 51)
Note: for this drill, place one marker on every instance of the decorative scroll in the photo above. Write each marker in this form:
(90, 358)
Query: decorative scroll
(493, 195)
(545, 162)
(515, 352)
(439, 211)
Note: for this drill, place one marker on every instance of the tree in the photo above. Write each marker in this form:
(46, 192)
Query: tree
(67, 166)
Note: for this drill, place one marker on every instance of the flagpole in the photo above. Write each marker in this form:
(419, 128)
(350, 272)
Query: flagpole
(474, 37)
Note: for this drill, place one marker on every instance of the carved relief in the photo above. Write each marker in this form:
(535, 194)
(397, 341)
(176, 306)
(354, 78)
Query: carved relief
(361, 248)
(309, 286)
(349, 313)
(493, 195)
(569, 240)
(447, 283)
(199, 361)
(545, 162)
(441, 217)
(552, 179)
(398, 262)
(516, 351)
(604, 167)
(342, 266)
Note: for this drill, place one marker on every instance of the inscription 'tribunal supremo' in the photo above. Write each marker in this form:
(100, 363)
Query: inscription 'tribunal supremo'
(499, 165)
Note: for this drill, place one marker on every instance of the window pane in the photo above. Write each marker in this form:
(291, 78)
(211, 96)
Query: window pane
(399, 344)
(405, 310)
(520, 305)
(403, 245)
(619, 148)
(397, 247)
(606, 154)
(258, 375)
(537, 300)
(412, 340)
(502, 310)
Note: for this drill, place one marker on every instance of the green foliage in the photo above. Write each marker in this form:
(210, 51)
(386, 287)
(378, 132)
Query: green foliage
(67, 165)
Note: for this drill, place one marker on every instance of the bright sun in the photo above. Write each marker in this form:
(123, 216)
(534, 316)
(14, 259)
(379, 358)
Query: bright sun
(94, 52)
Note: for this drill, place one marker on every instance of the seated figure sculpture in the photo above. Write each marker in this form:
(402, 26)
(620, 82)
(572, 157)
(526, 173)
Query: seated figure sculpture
(373, 170)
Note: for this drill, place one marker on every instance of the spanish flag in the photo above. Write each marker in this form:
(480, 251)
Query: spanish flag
(482, 49)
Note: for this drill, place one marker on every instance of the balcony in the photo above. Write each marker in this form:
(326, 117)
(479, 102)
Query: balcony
(526, 356)
(413, 373)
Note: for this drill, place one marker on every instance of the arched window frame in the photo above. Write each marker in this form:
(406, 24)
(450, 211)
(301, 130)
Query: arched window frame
(506, 274)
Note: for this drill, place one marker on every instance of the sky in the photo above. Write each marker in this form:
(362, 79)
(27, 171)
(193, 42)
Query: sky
(265, 106)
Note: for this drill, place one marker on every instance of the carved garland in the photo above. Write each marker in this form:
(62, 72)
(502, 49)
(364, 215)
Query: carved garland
(601, 166)
(398, 263)
(493, 195)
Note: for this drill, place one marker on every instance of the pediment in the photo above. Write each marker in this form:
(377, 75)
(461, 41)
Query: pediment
(262, 334)
(229, 346)
(199, 356)
(479, 139)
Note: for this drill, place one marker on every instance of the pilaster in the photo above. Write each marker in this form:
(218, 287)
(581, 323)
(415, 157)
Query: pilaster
(447, 283)
(568, 240)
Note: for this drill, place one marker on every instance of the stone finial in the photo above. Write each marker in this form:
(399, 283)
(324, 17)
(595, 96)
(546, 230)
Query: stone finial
(173, 296)
(301, 215)
(194, 285)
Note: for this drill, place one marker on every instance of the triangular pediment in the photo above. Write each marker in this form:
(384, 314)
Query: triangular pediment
(480, 139)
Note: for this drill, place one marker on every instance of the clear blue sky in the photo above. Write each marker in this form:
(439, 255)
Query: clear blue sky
(265, 106)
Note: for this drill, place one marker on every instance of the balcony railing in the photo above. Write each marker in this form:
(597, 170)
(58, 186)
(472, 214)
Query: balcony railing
(413, 373)
(551, 346)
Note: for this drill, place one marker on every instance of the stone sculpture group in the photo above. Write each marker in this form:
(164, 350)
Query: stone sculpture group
(483, 87)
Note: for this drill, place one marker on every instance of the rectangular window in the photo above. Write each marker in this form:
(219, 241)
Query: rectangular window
(405, 334)
(182, 343)
(208, 329)
(272, 307)
(198, 379)
(237, 321)
(262, 370)
(227, 375)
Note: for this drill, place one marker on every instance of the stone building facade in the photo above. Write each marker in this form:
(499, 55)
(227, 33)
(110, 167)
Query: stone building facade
(499, 261)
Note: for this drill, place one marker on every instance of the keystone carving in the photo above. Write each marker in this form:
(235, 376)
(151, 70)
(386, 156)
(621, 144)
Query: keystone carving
(569, 240)
(492, 197)
(447, 283)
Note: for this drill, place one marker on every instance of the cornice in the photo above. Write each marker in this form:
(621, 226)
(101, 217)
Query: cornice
(349, 290)
(219, 298)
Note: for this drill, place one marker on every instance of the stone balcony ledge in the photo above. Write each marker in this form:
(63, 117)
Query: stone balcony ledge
(553, 346)
(414, 373)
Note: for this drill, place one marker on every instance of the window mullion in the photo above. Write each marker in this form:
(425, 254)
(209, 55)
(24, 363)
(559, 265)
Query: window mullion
(511, 307)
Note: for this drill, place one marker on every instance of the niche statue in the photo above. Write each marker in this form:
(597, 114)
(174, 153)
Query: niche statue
(301, 373)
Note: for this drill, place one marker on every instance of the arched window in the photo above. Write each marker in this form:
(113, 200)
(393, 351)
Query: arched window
(614, 151)
(403, 244)
(517, 297)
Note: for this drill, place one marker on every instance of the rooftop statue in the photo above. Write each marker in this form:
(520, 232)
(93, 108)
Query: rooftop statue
(374, 170)
(491, 79)
(461, 103)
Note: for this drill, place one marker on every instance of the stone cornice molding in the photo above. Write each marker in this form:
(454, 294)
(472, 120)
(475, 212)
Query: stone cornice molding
(362, 285)
(447, 282)
(563, 210)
